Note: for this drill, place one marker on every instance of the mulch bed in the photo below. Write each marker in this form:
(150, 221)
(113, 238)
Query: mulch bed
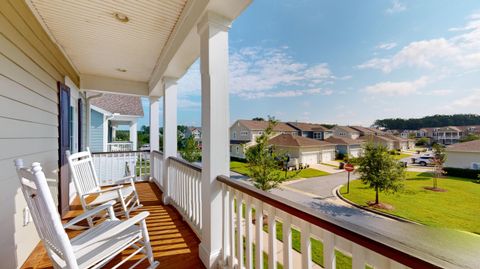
(380, 205)
(435, 189)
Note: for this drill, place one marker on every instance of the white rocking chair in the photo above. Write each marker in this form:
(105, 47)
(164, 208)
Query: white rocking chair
(87, 184)
(93, 248)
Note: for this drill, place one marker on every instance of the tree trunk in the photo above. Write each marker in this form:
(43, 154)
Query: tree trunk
(376, 196)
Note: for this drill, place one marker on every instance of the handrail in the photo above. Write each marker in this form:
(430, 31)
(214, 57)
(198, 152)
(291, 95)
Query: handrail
(157, 151)
(358, 238)
(189, 165)
(115, 152)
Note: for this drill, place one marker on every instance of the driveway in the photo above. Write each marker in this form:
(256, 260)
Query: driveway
(321, 186)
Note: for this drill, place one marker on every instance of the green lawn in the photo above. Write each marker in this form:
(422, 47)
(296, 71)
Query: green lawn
(457, 208)
(402, 155)
(242, 168)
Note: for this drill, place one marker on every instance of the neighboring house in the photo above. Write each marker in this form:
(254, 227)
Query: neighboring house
(107, 113)
(380, 140)
(399, 143)
(196, 132)
(311, 130)
(303, 150)
(345, 131)
(244, 132)
(344, 145)
(447, 135)
(321, 133)
(464, 155)
(366, 130)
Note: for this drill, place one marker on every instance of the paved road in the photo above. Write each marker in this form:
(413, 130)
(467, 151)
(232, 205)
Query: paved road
(322, 186)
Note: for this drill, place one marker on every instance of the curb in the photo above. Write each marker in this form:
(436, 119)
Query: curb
(339, 195)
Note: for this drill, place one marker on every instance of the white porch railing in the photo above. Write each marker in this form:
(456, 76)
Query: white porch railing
(185, 191)
(111, 167)
(244, 210)
(245, 241)
(156, 168)
(120, 146)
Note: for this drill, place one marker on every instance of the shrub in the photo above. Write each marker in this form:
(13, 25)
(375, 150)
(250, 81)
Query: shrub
(340, 156)
(461, 172)
(235, 159)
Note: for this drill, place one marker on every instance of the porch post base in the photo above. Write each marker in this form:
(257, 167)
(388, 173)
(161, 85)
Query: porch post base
(210, 259)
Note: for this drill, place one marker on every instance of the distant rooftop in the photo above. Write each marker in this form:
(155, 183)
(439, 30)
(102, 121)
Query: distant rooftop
(289, 140)
(121, 104)
(307, 127)
(262, 125)
(471, 146)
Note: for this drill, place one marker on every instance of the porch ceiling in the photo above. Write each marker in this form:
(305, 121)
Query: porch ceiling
(98, 43)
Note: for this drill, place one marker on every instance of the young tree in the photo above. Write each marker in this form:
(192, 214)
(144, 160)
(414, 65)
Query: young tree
(423, 141)
(379, 170)
(412, 135)
(439, 158)
(191, 151)
(263, 162)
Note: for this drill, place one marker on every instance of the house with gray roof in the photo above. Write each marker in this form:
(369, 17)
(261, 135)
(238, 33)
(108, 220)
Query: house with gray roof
(109, 112)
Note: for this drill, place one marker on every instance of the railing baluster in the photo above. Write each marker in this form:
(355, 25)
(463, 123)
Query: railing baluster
(231, 215)
(239, 229)
(329, 250)
(287, 243)
(306, 246)
(258, 234)
(358, 257)
(225, 223)
(248, 231)
(272, 238)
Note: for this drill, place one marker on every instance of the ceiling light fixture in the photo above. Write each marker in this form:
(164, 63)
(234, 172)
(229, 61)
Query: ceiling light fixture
(121, 70)
(121, 17)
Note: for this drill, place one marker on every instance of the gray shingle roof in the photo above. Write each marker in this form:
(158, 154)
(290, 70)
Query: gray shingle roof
(122, 104)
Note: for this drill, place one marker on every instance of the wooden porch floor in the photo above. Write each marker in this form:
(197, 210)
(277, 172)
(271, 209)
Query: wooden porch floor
(174, 244)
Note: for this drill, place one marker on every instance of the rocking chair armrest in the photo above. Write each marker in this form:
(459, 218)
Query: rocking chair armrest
(139, 218)
(117, 187)
(90, 213)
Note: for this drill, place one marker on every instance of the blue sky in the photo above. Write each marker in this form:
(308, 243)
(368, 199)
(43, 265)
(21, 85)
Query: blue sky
(348, 62)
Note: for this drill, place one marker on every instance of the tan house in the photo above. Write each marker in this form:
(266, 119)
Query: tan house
(345, 131)
(244, 132)
(303, 150)
(464, 155)
(347, 146)
(400, 143)
(380, 140)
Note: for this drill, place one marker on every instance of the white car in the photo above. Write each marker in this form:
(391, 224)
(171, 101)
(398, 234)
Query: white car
(424, 160)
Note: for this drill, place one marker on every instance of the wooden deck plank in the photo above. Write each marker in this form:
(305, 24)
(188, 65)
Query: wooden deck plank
(174, 244)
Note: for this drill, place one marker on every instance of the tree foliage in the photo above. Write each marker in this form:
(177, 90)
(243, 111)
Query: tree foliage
(263, 164)
(258, 119)
(470, 137)
(429, 121)
(379, 170)
(423, 141)
(191, 152)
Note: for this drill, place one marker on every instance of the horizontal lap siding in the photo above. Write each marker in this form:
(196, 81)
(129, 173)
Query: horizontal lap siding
(30, 66)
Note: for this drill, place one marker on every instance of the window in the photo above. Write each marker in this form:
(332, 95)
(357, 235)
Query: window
(234, 135)
(260, 132)
(476, 166)
(237, 148)
(317, 135)
(243, 133)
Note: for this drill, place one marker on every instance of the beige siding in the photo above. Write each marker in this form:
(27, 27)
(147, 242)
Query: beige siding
(462, 159)
(30, 66)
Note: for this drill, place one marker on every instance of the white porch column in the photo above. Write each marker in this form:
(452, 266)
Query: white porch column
(133, 134)
(169, 129)
(114, 131)
(213, 31)
(154, 123)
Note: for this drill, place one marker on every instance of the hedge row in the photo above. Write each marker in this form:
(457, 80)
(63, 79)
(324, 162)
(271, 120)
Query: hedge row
(461, 172)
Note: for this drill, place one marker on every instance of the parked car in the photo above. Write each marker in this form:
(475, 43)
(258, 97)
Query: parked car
(423, 160)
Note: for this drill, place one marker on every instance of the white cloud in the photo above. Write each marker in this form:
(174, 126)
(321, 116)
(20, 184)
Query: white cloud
(439, 92)
(386, 46)
(186, 103)
(459, 51)
(396, 7)
(397, 88)
(470, 101)
(257, 72)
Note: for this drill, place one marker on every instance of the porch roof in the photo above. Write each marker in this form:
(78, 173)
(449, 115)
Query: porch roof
(129, 46)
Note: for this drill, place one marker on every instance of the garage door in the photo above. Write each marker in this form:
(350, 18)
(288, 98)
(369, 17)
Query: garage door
(355, 152)
(310, 158)
(328, 156)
